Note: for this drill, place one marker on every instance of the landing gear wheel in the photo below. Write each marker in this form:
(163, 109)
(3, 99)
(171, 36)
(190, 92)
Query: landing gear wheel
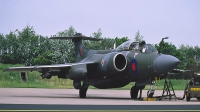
(187, 98)
(82, 93)
(150, 95)
(134, 92)
(198, 98)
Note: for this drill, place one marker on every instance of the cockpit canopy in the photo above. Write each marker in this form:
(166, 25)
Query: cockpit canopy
(128, 45)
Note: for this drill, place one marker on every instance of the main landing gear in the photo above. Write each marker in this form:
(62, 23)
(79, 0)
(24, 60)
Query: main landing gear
(139, 86)
(134, 91)
(82, 86)
(83, 90)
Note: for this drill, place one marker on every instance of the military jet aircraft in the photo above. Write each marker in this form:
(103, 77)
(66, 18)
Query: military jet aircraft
(113, 68)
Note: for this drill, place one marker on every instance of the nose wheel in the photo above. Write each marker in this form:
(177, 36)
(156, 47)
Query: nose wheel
(150, 93)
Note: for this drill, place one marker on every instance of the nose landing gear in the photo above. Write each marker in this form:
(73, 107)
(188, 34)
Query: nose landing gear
(150, 93)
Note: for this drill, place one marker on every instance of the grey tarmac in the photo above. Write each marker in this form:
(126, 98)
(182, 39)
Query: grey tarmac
(10, 97)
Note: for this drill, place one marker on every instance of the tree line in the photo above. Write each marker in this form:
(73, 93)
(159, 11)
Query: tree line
(29, 48)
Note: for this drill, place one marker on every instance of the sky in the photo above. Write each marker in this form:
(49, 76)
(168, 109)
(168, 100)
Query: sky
(154, 19)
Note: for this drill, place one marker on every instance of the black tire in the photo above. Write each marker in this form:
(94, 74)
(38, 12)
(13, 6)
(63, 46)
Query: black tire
(147, 93)
(150, 95)
(187, 98)
(198, 98)
(134, 92)
(82, 93)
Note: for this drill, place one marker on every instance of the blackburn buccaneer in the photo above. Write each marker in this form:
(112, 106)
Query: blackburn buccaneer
(137, 62)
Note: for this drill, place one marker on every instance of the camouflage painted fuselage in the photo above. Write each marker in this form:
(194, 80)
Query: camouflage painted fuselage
(137, 66)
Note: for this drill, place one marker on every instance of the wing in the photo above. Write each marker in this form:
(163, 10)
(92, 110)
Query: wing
(50, 67)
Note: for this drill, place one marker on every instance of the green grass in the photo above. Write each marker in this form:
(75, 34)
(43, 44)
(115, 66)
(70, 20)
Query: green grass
(13, 80)
(177, 84)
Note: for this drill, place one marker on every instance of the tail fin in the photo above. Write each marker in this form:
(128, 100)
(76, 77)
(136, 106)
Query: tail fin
(79, 48)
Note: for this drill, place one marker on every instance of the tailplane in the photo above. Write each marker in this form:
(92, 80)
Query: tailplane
(79, 47)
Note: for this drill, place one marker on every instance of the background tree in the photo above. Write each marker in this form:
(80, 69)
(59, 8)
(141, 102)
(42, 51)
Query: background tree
(170, 49)
(11, 53)
(104, 44)
(20, 47)
(44, 59)
(138, 37)
(2, 47)
(93, 44)
(43, 51)
(107, 43)
(28, 48)
(63, 50)
(28, 43)
(119, 41)
(189, 56)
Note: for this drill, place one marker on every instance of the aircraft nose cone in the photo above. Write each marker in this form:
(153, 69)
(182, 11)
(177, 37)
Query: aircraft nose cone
(165, 63)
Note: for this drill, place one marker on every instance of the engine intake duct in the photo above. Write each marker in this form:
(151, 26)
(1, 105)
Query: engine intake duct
(119, 62)
(112, 64)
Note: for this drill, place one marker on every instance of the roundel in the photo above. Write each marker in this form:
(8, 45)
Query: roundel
(133, 66)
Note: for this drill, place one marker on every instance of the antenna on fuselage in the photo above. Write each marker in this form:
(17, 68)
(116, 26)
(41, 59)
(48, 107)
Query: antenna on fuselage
(161, 44)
